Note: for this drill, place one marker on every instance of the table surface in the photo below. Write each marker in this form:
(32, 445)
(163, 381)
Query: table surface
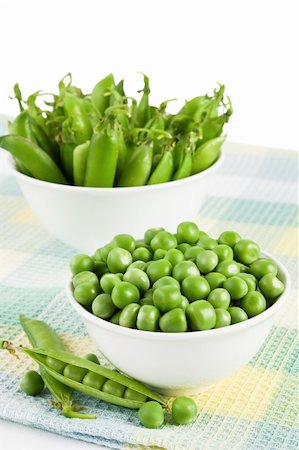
(16, 436)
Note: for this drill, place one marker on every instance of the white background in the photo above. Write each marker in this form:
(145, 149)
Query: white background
(185, 47)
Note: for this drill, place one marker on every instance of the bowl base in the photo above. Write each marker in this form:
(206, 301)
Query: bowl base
(177, 392)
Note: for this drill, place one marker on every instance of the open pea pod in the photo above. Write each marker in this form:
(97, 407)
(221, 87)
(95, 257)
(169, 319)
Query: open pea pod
(40, 355)
(40, 334)
(206, 154)
(35, 159)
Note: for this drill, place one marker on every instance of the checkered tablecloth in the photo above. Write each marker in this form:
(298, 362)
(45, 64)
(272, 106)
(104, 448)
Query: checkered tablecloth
(255, 193)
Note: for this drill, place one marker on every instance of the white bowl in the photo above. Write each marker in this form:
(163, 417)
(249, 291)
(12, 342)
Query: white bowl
(86, 218)
(182, 363)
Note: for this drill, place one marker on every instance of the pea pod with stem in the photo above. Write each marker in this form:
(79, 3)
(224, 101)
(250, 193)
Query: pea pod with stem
(80, 156)
(40, 356)
(41, 335)
(164, 170)
(206, 154)
(143, 112)
(139, 166)
(35, 160)
(100, 96)
(103, 157)
(77, 118)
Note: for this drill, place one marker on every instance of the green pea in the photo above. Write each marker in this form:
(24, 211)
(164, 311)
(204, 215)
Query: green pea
(183, 247)
(237, 314)
(149, 293)
(262, 267)
(92, 357)
(193, 252)
(195, 287)
(139, 244)
(187, 232)
(94, 380)
(174, 256)
(183, 410)
(32, 383)
(166, 281)
(184, 303)
(249, 279)
(253, 303)
(229, 238)
(113, 388)
(246, 251)
(206, 261)
(130, 394)
(85, 293)
(55, 364)
(166, 298)
(228, 268)
(142, 254)
(158, 269)
(164, 240)
(138, 265)
(243, 268)
(125, 241)
(173, 321)
(74, 372)
(215, 280)
(115, 318)
(159, 254)
(201, 315)
(148, 318)
(104, 251)
(151, 233)
(103, 306)
(128, 316)
(81, 263)
(271, 286)
(223, 318)
(97, 256)
(124, 293)
(85, 277)
(151, 415)
(207, 243)
(219, 298)
(184, 269)
(108, 281)
(224, 252)
(119, 260)
(137, 277)
(236, 287)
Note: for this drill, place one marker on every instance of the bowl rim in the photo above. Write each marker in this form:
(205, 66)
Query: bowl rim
(215, 332)
(117, 190)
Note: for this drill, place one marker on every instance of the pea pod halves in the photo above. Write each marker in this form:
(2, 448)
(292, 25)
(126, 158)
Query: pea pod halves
(41, 355)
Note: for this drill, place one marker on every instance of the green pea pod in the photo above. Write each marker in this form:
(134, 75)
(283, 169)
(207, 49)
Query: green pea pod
(122, 157)
(102, 158)
(143, 112)
(178, 154)
(164, 170)
(40, 355)
(195, 107)
(67, 160)
(206, 154)
(21, 126)
(139, 167)
(79, 163)
(43, 140)
(99, 96)
(36, 160)
(185, 168)
(79, 121)
(43, 336)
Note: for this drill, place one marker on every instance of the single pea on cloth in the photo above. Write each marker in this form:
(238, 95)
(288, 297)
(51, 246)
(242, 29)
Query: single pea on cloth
(254, 192)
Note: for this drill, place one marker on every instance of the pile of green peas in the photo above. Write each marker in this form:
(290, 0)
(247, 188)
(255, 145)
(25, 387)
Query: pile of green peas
(180, 282)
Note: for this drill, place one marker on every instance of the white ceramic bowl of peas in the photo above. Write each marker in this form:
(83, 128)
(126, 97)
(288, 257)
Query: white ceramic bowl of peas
(182, 363)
